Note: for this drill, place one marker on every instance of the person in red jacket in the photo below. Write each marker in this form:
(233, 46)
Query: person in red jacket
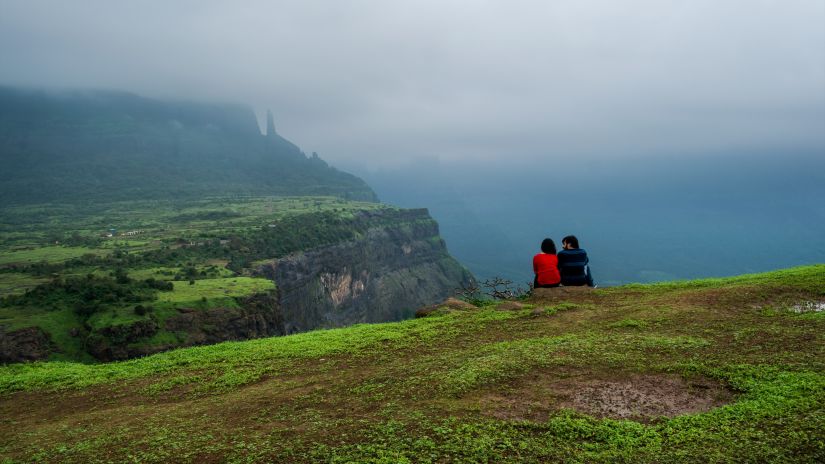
(545, 266)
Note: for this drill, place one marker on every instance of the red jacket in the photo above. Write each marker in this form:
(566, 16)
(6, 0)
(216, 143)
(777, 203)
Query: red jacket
(546, 269)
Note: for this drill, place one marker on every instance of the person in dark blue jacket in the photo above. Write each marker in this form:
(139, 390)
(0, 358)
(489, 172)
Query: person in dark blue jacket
(574, 264)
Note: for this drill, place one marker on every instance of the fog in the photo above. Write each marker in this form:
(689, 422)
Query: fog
(677, 139)
(372, 84)
(641, 220)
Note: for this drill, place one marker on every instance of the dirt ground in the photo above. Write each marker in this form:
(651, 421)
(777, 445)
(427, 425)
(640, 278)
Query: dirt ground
(643, 398)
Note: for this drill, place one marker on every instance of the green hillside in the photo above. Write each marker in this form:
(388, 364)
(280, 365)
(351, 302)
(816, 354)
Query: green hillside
(93, 277)
(717, 370)
(93, 146)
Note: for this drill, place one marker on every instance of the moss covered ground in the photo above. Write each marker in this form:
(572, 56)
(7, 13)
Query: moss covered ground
(482, 385)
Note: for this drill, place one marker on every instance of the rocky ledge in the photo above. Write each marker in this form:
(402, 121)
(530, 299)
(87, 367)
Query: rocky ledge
(384, 275)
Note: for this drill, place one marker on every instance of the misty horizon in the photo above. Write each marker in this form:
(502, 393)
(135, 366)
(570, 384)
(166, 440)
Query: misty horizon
(521, 119)
(379, 85)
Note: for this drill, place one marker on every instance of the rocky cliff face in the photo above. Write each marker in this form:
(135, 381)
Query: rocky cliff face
(383, 275)
(394, 263)
(27, 344)
(397, 265)
(258, 316)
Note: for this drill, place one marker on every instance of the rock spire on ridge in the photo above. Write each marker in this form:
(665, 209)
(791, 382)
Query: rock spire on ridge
(270, 124)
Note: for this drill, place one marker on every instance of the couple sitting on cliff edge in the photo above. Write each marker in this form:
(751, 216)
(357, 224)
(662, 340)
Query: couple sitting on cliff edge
(568, 267)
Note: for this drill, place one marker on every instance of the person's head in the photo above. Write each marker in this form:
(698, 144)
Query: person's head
(548, 246)
(570, 242)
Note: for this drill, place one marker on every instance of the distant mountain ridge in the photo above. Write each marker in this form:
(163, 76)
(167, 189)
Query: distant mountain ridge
(88, 145)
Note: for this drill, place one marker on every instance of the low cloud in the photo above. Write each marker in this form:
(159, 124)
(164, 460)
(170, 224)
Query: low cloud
(378, 83)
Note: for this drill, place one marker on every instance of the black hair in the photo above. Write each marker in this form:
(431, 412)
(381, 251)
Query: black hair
(571, 240)
(548, 246)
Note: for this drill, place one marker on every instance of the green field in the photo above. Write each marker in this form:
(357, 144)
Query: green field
(169, 273)
(717, 370)
(127, 244)
(41, 225)
(216, 288)
(49, 254)
(16, 282)
(206, 249)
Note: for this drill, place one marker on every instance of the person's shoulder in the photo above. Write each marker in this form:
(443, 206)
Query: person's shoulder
(572, 253)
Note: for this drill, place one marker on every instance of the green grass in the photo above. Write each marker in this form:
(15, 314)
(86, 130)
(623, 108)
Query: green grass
(61, 323)
(737, 433)
(461, 386)
(124, 243)
(37, 225)
(114, 316)
(168, 273)
(57, 324)
(13, 283)
(49, 254)
(629, 323)
(235, 356)
(500, 361)
(229, 287)
(505, 360)
(805, 277)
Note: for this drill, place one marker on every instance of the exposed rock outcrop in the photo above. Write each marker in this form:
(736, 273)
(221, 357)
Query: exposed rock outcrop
(112, 342)
(258, 316)
(28, 344)
(385, 275)
(396, 264)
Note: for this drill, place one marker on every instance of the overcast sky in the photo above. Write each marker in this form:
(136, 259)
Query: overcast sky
(380, 82)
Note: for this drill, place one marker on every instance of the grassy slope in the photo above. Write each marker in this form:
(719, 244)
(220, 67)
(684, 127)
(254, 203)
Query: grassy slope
(430, 389)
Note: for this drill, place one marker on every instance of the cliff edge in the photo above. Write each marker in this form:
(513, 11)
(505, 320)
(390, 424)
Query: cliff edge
(383, 275)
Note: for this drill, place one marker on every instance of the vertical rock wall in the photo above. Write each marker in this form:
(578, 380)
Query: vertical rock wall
(384, 275)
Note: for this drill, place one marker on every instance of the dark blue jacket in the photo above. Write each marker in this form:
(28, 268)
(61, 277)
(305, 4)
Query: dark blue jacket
(573, 267)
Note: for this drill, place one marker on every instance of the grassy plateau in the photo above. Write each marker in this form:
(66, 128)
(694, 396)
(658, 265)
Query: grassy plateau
(715, 370)
(82, 272)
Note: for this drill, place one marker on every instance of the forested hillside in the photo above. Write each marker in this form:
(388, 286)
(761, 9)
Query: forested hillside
(99, 145)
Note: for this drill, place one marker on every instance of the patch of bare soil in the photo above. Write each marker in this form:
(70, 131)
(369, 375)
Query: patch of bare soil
(559, 294)
(640, 397)
(643, 397)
